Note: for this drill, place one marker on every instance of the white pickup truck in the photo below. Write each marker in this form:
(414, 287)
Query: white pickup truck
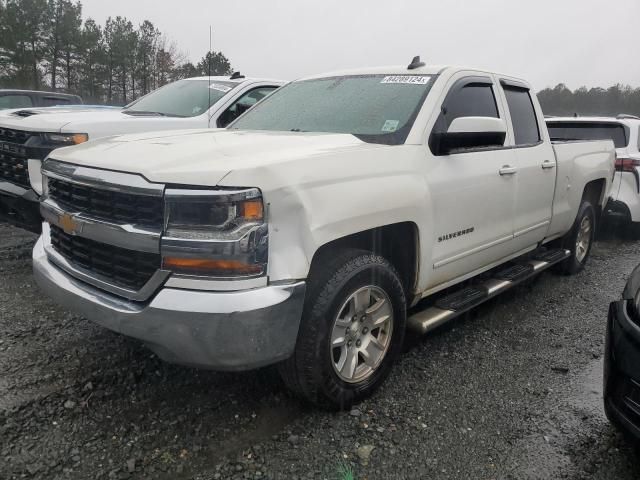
(28, 135)
(320, 225)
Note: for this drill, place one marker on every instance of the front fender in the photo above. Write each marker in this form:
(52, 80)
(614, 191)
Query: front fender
(309, 207)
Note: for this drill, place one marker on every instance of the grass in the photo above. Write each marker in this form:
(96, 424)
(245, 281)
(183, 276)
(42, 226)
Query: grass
(345, 471)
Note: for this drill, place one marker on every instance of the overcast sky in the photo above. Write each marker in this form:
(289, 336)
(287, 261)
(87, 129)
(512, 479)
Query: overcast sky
(578, 42)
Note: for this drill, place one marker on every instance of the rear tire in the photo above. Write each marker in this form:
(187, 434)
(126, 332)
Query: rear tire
(352, 330)
(579, 240)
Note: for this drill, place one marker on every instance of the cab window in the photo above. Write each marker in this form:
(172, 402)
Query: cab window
(523, 116)
(473, 100)
(15, 101)
(54, 101)
(242, 104)
(469, 97)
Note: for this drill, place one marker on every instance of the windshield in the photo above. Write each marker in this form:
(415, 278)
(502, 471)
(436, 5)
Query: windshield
(186, 98)
(375, 108)
(589, 131)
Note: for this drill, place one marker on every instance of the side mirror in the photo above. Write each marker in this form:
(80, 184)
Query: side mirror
(471, 132)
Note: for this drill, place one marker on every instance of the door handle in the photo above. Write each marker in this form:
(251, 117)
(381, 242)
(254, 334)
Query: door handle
(548, 164)
(507, 170)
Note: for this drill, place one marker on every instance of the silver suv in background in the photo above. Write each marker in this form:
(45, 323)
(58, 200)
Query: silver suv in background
(624, 130)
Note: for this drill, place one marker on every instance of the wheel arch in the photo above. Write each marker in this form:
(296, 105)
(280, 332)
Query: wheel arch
(595, 192)
(399, 243)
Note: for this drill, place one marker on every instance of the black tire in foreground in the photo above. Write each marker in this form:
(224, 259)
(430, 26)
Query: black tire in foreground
(351, 332)
(579, 240)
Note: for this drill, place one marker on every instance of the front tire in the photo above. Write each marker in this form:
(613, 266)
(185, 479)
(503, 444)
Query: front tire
(579, 240)
(352, 330)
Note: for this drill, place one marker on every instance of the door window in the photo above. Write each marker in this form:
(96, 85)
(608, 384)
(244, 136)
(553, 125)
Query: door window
(242, 104)
(473, 100)
(466, 99)
(15, 101)
(523, 115)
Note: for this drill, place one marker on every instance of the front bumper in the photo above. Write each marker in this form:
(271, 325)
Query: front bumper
(20, 207)
(238, 330)
(622, 370)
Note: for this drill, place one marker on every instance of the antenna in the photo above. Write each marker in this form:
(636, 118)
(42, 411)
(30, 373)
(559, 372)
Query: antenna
(416, 63)
(209, 72)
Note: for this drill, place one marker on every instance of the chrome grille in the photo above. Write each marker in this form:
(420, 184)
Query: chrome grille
(15, 149)
(108, 205)
(122, 267)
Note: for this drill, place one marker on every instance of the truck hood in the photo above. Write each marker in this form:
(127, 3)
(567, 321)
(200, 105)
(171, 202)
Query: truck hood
(56, 119)
(205, 157)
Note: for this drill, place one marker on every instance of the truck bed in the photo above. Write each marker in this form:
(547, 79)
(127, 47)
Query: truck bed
(581, 161)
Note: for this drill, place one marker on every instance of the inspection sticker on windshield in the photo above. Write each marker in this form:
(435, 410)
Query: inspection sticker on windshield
(390, 125)
(407, 79)
(220, 88)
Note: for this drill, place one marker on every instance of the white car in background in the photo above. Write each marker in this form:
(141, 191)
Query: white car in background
(28, 136)
(624, 130)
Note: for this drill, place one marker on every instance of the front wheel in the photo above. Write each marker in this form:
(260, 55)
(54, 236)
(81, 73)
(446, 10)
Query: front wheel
(351, 332)
(579, 240)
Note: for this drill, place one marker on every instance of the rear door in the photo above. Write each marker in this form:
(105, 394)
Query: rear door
(473, 190)
(536, 164)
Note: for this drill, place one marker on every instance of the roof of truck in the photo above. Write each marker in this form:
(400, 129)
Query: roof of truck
(404, 70)
(227, 78)
(39, 92)
(587, 119)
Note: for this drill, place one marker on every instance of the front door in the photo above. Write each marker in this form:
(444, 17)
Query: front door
(473, 192)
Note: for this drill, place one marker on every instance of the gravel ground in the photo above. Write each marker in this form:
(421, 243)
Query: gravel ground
(511, 391)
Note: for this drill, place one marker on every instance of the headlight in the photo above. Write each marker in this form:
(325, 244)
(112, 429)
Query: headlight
(215, 233)
(66, 139)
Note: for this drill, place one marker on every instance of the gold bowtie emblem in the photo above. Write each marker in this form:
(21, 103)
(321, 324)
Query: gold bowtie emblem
(68, 224)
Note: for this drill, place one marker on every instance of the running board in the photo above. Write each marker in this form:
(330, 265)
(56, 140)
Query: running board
(463, 300)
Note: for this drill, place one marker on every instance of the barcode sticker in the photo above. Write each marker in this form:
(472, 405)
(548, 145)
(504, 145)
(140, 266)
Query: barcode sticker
(407, 79)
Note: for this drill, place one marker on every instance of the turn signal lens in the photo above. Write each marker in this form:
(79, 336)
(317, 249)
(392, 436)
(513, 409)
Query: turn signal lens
(200, 266)
(66, 138)
(251, 210)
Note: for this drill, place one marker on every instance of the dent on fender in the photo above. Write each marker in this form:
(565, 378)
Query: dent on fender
(306, 219)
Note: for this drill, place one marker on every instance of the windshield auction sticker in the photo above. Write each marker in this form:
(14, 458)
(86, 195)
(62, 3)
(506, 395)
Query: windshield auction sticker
(407, 79)
(390, 126)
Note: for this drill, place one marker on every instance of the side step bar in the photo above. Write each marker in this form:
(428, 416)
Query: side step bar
(459, 302)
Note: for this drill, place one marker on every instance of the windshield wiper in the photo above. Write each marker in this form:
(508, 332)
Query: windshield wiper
(144, 113)
(297, 130)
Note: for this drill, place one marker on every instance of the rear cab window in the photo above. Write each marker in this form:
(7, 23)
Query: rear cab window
(54, 101)
(582, 130)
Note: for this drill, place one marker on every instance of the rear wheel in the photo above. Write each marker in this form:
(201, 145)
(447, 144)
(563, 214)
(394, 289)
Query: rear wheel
(579, 240)
(351, 331)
